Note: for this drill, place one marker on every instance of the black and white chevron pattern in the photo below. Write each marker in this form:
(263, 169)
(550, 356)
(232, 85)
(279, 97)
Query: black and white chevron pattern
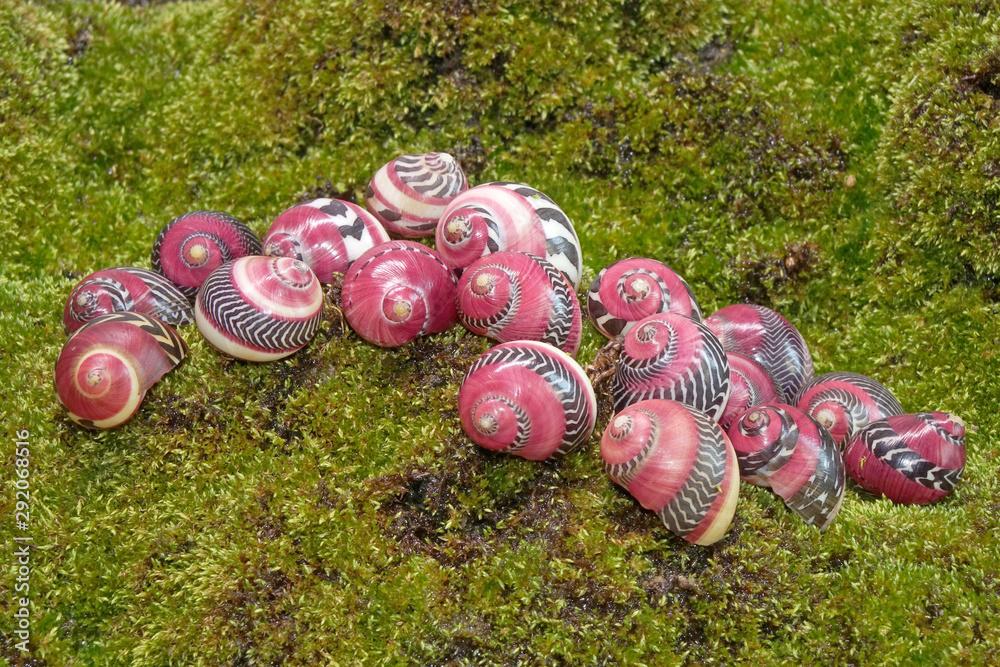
(229, 312)
(818, 500)
(889, 447)
(704, 385)
(624, 473)
(430, 175)
(499, 321)
(689, 507)
(171, 343)
(560, 380)
(887, 403)
(120, 297)
(560, 324)
(765, 461)
(784, 354)
(169, 303)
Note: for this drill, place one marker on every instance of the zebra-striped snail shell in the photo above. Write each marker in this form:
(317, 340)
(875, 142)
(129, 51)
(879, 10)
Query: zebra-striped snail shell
(782, 448)
(749, 385)
(126, 288)
(191, 246)
(511, 296)
(107, 366)
(634, 288)
(844, 403)
(676, 462)
(912, 459)
(508, 216)
(528, 399)
(409, 194)
(674, 357)
(769, 339)
(259, 308)
(326, 234)
(398, 291)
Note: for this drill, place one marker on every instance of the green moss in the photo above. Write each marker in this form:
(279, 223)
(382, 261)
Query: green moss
(327, 508)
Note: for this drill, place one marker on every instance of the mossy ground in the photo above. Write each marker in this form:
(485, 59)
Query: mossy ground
(840, 163)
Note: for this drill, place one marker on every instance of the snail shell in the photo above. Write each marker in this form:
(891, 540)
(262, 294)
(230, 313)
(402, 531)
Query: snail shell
(515, 296)
(780, 447)
(106, 366)
(629, 290)
(126, 288)
(769, 339)
(398, 291)
(672, 356)
(326, 234)
(409, 194)
(259, 308)
(508, 216)
(528, 399)
(190, 247)
(910, 458)
(676, 462)
(844, 403)
(749, 385)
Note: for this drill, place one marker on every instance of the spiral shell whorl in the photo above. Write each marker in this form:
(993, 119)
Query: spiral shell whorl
(409, 194)
(769, 339)
(126, 289)
(260, 308)
(511, 296)
(780, 447)
(750, 385)
(529, 399)
(327, 234)
(190, 247)
(634, 288)
(501, 216)
(106, 367)
(677, 462)
(909, 458)
(844, 403)
(672, 357)
(398, 291)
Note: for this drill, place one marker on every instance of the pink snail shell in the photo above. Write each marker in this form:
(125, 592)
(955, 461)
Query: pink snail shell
(634, 288)
(126, 288)
(326, 234)
(508, 216)
(676, 462)
(769, 339)
(409, 194)
(106, 367)
(398, 291)
(674, 357)
(749, 385)
(844, 403)
(780, 447)
(191, 246)
(528, 399)
(912, 459)
(259, 308)
(511, 296)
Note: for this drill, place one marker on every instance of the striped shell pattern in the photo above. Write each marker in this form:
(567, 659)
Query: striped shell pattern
(844, 403)
(409, 194)
(260, 308)
(749, 385)
(190, 247)
(676, 462)
(634, 288)
(126, 288)
(508, 216)
(528, 399)
(674, 357)
(909, 458)
(326, 234)
(782, 448)
(106, 367)
(769, 339)
(511, 296)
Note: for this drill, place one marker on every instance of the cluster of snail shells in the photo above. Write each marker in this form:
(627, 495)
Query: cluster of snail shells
(108, 364)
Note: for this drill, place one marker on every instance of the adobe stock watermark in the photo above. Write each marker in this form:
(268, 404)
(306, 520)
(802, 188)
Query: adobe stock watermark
(22, 540)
